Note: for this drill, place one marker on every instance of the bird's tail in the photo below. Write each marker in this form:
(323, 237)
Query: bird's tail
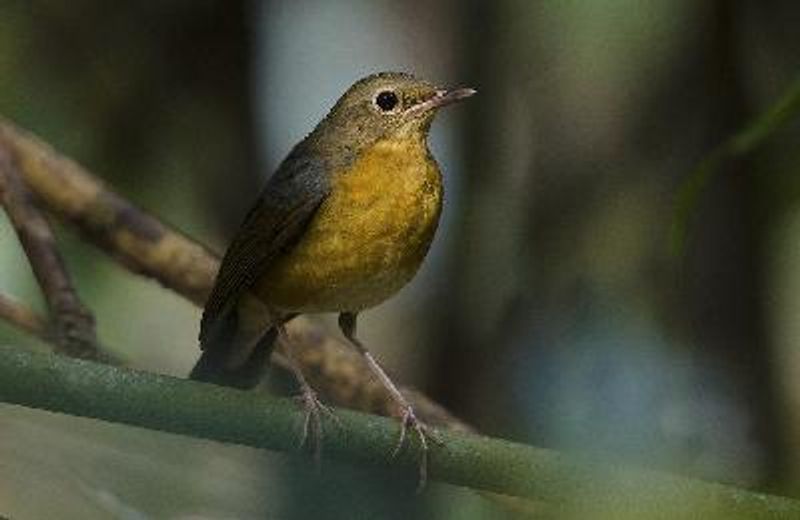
(214, 365)
(236, 345)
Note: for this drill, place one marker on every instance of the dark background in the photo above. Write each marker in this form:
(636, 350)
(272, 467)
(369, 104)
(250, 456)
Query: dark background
(551, 309)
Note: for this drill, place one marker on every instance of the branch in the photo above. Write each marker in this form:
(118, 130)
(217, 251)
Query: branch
(74, 332)
(256, 419)
(24, 317)
(140, 242)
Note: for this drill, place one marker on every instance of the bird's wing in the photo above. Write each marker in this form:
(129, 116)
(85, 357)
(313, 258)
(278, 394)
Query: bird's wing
(277, 221)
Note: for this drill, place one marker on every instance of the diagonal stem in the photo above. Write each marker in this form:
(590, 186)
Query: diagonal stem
(73, 322)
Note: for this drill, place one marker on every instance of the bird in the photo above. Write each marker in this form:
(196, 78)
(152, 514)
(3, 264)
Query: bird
(343, 224)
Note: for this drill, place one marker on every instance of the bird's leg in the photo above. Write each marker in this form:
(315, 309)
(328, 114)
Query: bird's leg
(308, 397)
(408, 419)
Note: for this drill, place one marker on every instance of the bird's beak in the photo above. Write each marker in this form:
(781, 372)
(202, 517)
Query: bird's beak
(442, 98)
(446, 97)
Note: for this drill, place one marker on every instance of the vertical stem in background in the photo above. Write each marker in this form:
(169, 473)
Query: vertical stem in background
(484, 275)
(722, 282)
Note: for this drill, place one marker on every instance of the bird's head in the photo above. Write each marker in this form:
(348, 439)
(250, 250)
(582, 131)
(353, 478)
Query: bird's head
(387, 105)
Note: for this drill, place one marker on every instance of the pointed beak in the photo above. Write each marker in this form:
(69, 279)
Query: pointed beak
(446, 97)
(443, 98)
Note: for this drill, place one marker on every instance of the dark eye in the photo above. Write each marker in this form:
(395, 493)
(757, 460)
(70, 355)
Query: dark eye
(386, 100)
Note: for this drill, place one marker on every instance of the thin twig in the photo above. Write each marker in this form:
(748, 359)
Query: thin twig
(73, 322)
(31, 322)
(24, 317)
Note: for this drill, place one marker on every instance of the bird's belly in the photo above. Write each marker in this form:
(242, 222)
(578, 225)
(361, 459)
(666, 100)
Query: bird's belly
(366, 242)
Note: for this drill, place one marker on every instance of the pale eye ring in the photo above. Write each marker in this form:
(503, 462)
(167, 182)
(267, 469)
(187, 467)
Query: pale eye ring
(386, 100)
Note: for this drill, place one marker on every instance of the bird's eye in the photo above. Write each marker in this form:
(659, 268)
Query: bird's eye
(386, 100)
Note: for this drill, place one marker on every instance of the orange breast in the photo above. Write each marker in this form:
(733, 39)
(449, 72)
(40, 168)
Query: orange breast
(368, 238)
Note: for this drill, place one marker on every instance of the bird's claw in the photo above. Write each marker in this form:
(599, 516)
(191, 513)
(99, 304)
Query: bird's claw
(314, 410)
(409, 420)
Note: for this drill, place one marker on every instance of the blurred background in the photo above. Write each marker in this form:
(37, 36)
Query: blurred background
(550, 311)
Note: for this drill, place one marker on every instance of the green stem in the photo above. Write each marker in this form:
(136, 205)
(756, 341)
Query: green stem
(88, 389)
(740, 144)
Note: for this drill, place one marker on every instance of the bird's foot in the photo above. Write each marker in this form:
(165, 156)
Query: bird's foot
(408, 420)
(312, 422)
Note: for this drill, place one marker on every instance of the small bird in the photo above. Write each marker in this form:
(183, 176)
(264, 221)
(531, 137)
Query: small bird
(342, 225)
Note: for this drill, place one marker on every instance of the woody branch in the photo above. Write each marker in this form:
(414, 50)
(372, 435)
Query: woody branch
(73, 330)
